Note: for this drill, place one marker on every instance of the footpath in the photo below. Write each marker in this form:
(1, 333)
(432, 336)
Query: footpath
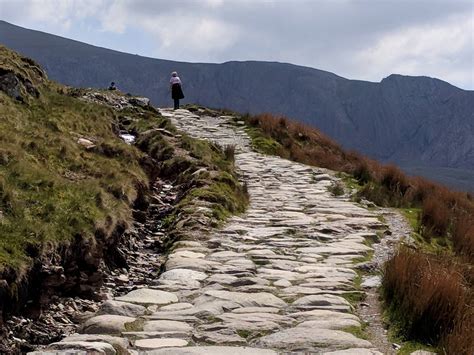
(274, 280)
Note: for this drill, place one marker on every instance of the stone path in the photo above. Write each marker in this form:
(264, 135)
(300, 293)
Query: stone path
(271, 281)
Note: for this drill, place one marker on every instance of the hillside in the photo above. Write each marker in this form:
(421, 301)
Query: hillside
(420, 123)
(71, 191)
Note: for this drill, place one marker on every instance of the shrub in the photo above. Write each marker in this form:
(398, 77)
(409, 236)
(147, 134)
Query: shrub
(429, 298)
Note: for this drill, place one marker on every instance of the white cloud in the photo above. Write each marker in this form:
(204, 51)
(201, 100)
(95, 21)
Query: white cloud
(359, 39)
(433, 50)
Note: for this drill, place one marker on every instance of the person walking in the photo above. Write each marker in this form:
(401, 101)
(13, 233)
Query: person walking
(176, 90)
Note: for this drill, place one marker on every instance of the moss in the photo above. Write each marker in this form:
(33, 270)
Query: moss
(262, 143)
(244, 333)
(135, 326)
(365, 258)
(336, 189)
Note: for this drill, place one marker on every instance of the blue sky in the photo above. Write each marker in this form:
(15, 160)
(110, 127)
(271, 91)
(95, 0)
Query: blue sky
(357, 39)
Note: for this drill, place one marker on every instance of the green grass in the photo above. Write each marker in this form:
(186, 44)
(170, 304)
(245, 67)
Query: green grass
(51, 188)
(359, 332)
(411, 346)
(262, 143)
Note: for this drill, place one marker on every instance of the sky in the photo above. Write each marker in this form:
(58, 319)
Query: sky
(356, 39)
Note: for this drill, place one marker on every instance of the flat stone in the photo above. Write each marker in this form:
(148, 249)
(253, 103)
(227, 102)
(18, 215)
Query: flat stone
(121, 309)
(223, 336)
(282, 283)
(356, 351)
(187, 254)
(105, 324)
(223, 279)
(258, 299)
(256, 317)
(256, 310)
(93, 347)
(166, 326)
(372, 282)
(299, 338)
(198, 264)
(155, 343)
(146, 296)
(176, 307)
(225, 255)
(183, 275)
(155, 334)
(213, 350)
(119, 344)
(321, 318)
(321, 300)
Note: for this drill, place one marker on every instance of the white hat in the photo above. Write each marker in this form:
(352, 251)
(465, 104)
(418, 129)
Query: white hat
(174, 74)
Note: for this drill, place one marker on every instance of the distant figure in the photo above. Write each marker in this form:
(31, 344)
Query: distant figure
(112, 86)
(176, 90)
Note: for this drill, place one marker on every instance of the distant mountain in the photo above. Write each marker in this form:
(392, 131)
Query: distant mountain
(417, 122)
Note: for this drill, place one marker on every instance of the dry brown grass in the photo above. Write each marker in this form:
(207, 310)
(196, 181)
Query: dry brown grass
(432, 299)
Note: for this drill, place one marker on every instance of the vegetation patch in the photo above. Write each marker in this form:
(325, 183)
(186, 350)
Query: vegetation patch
(359, 332)
(52, 188)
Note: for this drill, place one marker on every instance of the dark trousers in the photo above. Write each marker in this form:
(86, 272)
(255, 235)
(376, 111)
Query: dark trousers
(176, 104)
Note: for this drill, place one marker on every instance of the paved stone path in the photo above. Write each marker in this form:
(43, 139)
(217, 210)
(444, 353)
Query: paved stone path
(271, 281)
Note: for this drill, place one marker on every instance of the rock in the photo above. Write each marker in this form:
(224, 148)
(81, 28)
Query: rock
(166, 326)
(176, 307)
(121, 309)
(354, 351)
(89, 347)
(198, 263)
(256, 310)
(155, 334)
(321, 301)
(10, 85)
(146, 296)
(155, 343)
(422, 352)
(212, 350)
(259, 299)
(255, 317)
(299, 338)
(320, 318)
(86, 143)
(222, 336)
(105, 324)
(183, 275)
(372, 282)
(139, 101)
(119, 344)
(282, 283)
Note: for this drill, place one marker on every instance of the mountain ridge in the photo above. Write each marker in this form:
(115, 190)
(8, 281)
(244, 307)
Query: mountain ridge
(407, 120)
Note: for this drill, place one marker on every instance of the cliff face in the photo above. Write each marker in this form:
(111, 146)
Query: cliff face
(412, 121)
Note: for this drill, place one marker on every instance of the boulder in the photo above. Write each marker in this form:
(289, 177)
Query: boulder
(146, 296)
(105, 324)
(121, 309)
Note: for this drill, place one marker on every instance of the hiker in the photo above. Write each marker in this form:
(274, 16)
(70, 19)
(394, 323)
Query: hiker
(176, 90)
(112, 86)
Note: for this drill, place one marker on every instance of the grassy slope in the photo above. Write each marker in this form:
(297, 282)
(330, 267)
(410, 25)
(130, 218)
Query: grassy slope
(51, 188)
(53, 191)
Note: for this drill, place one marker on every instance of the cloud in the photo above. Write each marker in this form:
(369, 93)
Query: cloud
(360, 39)
(444, 48)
